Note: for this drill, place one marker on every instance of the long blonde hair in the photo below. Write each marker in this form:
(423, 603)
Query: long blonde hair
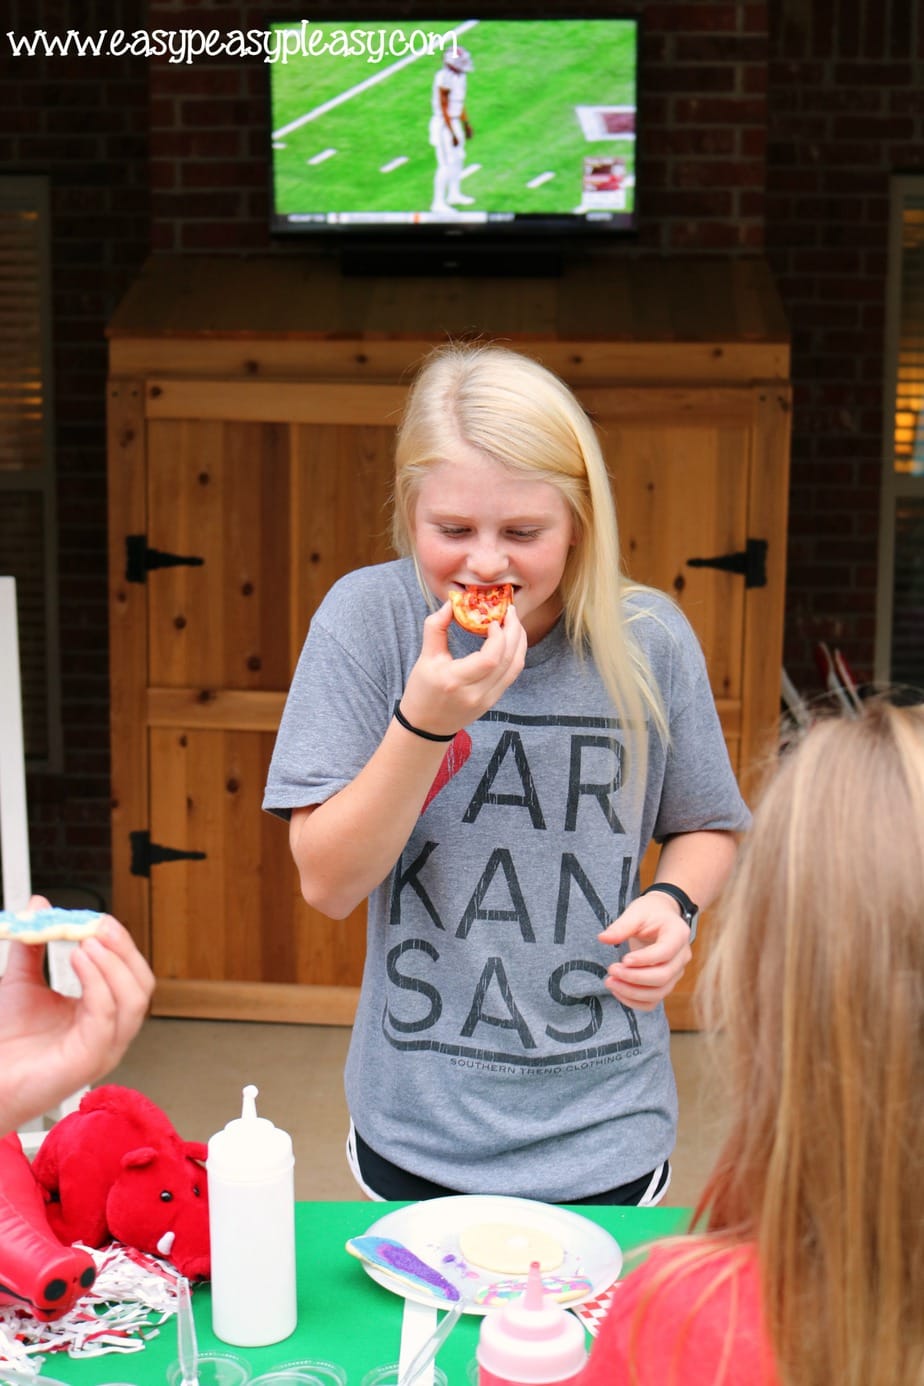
(516, 412)
(815, 988)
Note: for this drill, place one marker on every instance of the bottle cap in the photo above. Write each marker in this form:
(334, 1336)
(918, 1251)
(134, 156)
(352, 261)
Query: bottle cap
(250, 1147)
(533, 1339)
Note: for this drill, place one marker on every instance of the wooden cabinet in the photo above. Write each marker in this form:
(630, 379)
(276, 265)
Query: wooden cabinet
(252, 407)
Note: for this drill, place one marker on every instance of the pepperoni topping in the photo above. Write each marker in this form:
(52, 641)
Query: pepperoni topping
(476, 607)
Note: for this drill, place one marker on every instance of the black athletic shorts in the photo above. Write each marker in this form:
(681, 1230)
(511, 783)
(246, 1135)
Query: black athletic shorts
(383, 1180)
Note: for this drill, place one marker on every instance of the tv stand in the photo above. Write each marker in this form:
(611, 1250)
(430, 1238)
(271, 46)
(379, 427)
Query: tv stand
(452, 259)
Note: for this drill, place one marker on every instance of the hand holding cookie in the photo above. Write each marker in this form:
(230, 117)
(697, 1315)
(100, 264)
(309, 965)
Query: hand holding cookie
(50, 1044)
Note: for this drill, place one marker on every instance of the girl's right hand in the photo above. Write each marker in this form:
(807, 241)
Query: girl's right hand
(443, 694)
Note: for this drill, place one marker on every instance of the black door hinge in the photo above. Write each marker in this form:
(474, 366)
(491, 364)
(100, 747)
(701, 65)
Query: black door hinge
(146, 854)
(751, 563)
(139, 559)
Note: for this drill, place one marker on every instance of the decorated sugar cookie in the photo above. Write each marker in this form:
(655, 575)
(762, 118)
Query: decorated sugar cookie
(509, 1248)
(44, 926)
(561, 1288)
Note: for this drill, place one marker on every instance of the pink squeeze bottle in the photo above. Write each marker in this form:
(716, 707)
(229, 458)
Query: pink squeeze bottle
(530, 1342)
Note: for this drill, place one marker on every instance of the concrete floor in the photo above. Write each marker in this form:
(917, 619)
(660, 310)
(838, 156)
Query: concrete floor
(194, 1070)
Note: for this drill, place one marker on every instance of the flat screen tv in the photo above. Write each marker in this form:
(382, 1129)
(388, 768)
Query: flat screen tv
(450, 142)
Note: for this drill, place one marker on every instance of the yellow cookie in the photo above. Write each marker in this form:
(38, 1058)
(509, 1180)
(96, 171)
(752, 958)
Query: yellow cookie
(509, 1248)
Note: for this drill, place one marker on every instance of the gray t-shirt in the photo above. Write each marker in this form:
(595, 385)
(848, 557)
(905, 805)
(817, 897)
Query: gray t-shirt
(487, 1055)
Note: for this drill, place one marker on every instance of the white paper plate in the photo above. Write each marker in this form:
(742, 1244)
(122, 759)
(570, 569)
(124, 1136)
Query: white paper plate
(431, 1230)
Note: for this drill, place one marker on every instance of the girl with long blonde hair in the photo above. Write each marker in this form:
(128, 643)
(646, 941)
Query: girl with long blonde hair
(493, 797)
(811, 1267)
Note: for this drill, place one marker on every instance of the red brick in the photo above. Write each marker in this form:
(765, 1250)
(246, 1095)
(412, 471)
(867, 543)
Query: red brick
(212, 113)
(752, 204)
(163, 237)
(223, 174)
(874, 127)
(186, 205)
(796, 291)
(706, 235)
(753, 79)
(708, 140)
(822, 96)
(707, 173)
(753, 143)
(720, 110)
(201, 79)
(162, 112)
(692, 79)
(684, 203)
(163, 173)
(719, 48)
(793, 77)
(906, 156)
(872, 74)
(755, 17)
(181, 144)
(873, 40)
(905, 100)
(689, 18)
(828, 261)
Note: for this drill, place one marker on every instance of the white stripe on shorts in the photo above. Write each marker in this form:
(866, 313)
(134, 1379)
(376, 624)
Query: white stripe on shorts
(653, 1194)
(353, 1162)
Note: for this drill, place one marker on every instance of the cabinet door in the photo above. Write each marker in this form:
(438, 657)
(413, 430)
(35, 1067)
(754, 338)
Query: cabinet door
(218, 502)
(263, 517)
(234, 914)
(682, 463)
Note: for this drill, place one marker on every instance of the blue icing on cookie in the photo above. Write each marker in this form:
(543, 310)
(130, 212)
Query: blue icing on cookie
(27, 921)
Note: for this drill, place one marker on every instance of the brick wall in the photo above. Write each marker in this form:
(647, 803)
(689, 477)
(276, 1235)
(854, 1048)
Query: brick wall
(84, 123)
(769, 128)
(846, 110)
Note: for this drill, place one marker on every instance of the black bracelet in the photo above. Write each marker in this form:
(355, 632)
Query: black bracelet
(409, 726)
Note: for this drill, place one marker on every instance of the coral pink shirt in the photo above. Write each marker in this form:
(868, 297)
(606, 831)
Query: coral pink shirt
(678, 1341)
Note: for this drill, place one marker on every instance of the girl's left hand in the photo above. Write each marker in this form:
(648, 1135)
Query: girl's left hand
(659, 950)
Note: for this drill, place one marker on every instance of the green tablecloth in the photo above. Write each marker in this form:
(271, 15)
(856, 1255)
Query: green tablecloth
(343, 1315)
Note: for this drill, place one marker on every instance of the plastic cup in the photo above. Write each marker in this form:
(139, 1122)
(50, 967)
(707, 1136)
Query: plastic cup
(388, 1376)
(214, 1369)
(307, 1373)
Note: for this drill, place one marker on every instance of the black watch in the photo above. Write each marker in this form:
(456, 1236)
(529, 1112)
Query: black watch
(689, 912)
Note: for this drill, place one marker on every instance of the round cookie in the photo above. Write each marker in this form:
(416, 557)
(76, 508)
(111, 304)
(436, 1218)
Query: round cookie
(509, 1248)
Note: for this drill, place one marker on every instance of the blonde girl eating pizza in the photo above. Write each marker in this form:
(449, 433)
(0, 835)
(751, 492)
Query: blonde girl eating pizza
(493, 797)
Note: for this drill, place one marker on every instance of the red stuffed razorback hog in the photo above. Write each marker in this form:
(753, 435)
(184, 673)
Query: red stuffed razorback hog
(117, 1169)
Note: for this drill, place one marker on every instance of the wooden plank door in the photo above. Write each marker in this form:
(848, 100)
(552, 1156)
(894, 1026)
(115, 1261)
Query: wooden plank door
(682, 464)
(263, 517)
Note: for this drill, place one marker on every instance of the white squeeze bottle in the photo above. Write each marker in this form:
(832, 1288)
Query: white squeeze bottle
(252, 1229)
(530, 1341)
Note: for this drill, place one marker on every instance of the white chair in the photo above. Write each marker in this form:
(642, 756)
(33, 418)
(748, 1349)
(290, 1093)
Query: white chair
(14, 832)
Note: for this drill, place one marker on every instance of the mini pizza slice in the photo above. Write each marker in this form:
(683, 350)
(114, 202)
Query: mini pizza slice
(474, 608)
(44, 926)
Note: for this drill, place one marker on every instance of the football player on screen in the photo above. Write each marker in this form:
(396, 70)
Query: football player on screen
(450, 129)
